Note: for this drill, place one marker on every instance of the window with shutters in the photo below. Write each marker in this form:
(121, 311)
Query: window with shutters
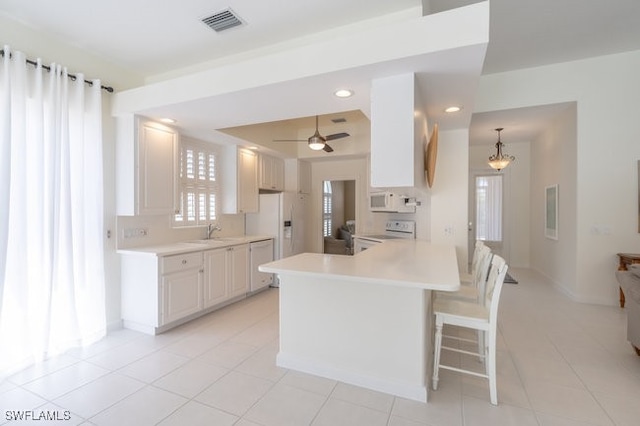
(198, 184)
(327, 209)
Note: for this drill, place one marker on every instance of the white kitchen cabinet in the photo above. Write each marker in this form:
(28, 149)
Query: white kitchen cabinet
(298, 176)
(240, 181)
(239, 270)
(270, 173)
(157, 292)
(181, 295)
(216, 289)
(147, 161)
(226, 274)
(398, 133)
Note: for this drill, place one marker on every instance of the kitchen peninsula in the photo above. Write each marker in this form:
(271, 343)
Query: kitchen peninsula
(364, 319)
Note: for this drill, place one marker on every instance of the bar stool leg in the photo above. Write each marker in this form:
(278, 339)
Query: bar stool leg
(436, 353)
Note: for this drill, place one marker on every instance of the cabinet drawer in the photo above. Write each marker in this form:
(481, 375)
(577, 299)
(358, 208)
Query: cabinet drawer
(180, 262)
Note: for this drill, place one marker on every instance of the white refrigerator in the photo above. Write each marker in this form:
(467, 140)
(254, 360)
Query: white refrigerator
(281, 215)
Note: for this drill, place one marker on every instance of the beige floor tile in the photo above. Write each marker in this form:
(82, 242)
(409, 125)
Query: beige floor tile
(315, 384)
(147, 406)
(65, 380)
(263, 364)
(191, 378)
(563, 401)
(100, 394)
(479, 412)
(341, 413)
(443, 408)
(286, 406)
(364, 397)
(235, 393)
(153, 366)
(196, 414)
(228, 354)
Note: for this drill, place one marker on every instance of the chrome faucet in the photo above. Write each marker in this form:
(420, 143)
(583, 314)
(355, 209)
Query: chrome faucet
(210, 228)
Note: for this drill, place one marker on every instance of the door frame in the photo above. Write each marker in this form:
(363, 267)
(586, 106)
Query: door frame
(505, 249)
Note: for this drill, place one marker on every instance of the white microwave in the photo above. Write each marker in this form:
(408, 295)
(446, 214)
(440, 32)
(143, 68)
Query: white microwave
(389, 202)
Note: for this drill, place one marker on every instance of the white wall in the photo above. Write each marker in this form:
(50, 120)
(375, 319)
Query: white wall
(554, 161)
(606, 91)
(449, 199)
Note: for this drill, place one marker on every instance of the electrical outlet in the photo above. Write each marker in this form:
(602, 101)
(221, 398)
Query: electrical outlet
(449, 231)
(135, 232)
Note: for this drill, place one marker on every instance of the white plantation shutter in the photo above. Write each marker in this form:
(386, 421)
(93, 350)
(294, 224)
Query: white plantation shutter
(198, 184)
(327, 209)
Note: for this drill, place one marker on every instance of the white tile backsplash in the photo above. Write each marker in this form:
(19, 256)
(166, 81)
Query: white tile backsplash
(159, 230)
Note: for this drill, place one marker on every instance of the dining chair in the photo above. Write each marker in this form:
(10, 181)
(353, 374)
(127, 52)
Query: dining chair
(474, 291)
(475, 316)
(466, 278)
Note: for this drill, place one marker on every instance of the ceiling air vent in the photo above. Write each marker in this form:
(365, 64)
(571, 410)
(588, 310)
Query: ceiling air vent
(339, 120)
(222, 20)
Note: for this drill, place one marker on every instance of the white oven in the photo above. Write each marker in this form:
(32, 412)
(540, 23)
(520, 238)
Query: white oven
(393, 229)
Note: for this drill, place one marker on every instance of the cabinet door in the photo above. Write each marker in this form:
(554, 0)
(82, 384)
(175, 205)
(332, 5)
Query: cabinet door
(157, 163)
(264, 172)
(239, 270)
(248, 182)
(277, 174)
(215, 283)
(181, 294)
(304, 177)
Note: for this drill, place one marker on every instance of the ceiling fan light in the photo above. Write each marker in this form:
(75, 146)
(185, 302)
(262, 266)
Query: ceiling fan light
(316, 143)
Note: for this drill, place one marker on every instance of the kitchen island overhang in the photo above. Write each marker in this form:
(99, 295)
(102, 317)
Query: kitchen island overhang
(365, 319)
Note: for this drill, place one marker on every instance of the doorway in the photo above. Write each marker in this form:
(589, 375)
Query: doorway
(338, 216)
(487, 212)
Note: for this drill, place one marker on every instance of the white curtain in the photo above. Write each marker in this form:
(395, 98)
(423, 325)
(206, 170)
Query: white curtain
(489, 208)
(51, 216)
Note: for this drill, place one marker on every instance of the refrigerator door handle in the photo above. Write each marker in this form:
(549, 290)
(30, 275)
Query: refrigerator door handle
(291, 241)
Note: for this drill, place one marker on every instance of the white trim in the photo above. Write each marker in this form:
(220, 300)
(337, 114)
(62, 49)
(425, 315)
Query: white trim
(404, 390)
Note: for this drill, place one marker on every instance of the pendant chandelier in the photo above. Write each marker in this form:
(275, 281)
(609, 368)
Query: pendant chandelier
(499, 160)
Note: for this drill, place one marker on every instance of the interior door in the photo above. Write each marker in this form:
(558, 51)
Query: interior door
(487, 213)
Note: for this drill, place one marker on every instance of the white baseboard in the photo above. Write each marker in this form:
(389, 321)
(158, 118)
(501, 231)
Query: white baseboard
(404, 390)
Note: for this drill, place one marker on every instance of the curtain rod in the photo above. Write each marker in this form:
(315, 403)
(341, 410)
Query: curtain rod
(71, 76)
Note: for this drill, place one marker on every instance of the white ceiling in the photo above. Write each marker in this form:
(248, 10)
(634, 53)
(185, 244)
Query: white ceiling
(159, 38)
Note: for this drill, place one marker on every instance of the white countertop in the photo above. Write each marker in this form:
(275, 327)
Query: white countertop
(402, 262)
(193, 245)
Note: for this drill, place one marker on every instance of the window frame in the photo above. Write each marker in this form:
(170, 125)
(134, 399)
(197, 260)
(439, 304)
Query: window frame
(199, 184)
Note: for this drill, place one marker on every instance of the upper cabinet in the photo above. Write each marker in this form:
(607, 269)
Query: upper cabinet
(398, 133)
(240, 181)
(298, 176)
(146, 165)
(270, 173)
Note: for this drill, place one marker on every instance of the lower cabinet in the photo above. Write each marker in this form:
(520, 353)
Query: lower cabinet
(181, 295)
(161, 292)
(226, 274)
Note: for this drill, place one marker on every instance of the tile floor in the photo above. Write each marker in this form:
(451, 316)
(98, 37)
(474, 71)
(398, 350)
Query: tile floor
(559, 363)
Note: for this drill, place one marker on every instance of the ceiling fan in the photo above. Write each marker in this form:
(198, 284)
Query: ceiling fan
(317, 142)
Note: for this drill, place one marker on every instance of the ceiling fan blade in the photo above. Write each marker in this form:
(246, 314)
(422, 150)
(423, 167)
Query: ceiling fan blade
(289, 140)
(336, 136)
(327, 148)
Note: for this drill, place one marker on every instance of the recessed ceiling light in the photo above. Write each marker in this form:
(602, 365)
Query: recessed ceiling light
(343, 93)
(168, 120)
(453, 109)
(253, 148)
